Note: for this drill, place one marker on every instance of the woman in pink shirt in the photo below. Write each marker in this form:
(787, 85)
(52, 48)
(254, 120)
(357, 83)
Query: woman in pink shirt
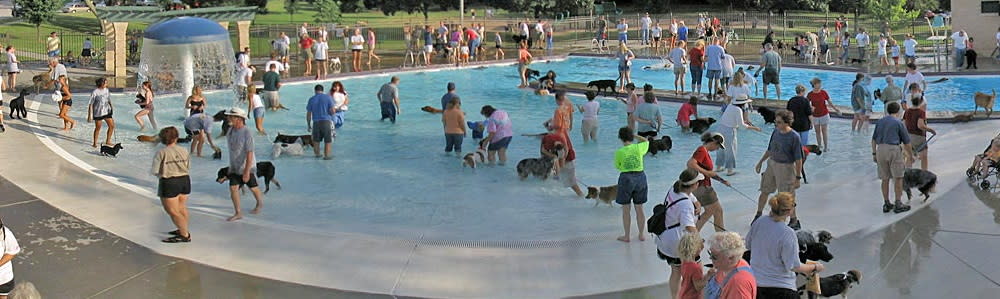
(684, 115)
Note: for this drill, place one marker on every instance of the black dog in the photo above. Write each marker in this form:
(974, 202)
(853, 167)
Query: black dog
(17, 106)
(221, 116)
(923, 180)
(264, 169)
(602, 85)
(855, 60)
(659, 145)
(539, 167)
(111, 151)
(767, 113)
(878, 94)
(814, 246)
(530, 74)
(806, 150)
(217, 155)
(700, 125)
(837, 284)
(306, 139)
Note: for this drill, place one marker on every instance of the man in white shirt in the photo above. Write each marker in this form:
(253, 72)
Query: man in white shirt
(913, 76)
(644, 23)
(998, 43)
(862, 39)
(58, 69)
(910, 49)
(278, 65)
(320, 49)
(960, 38)
(304, 30)
(539, 33)
(622, 31)
(244, 77)
(243, 60)
(526, 33)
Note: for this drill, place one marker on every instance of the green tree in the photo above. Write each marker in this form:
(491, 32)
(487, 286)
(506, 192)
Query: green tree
(654, 6)
(327, 11)
(291, 6)
(923, 5)
(37, 11)
(351, 6)
(889, 10)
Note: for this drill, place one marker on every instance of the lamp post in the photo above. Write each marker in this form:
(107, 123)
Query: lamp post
(461, 8)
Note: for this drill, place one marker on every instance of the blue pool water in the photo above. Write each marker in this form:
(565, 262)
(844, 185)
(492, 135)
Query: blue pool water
(955, 94)
(394, 180)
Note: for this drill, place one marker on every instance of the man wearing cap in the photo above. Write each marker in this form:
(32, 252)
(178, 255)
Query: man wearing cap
(446, 98)
(784, 163)
(701, 161)
(242, 163)
(388, 97)
(319, 119)
(891, 151)
(563, 158)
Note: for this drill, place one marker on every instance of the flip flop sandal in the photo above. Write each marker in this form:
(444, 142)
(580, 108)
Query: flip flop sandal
(178, 239)
(175, 232)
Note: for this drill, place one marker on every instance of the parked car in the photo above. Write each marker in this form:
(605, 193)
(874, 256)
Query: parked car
(146, 3)
(74, 7)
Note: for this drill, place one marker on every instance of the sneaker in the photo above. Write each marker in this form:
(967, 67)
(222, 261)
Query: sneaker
(794, 224)
(886, 207)
(900, 207)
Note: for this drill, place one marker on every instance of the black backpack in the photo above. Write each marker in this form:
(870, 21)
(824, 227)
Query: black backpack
(656, 224)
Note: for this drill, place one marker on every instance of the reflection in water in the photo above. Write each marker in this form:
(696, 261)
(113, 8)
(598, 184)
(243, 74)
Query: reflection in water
(991, 201)
(896, 253)
(183, 280)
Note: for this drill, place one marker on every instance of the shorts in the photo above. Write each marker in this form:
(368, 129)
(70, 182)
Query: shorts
(271, 99)
(684, 123)
(889, 158)
(771, 76)
(567, 174)
(648, 134)
(67, 102)
(53, 53)
(356, 50)
(632, 188)
(822, 120)
(499, 144)
(322, 131)
(706, 195)
(917, 141)
(172, 187)
(499, 46)
(624, 68)
(623, 37)
(679, 70)
(895, 60)
(823, 49)
(776, 293)
(713, 74)
(309, 54)
(7, 287)
(236, 179)
(589, 127)
(258, 112)
(656, 39)
(86, 53)
(673, 261)
(103, 117)
(778, 177)
(318, 59)
(911, 57)
(429, 48)
(861, 112)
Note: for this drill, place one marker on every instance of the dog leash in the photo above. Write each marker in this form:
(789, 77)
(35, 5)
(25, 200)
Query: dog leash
(922, 147)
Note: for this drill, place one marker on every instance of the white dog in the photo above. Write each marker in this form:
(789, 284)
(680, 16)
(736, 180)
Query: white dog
(473, 158)
(294, 149)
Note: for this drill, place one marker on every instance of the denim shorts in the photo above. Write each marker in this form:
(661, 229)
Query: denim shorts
(500, 144)
(632, 188)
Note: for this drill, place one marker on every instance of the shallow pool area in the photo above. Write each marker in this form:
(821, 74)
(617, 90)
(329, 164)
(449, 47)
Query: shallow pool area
(955, 94)
(394, 180)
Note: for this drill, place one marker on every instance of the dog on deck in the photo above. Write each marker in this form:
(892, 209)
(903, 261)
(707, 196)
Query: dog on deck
(474, 158)
(606, 194)
(837, 284)
(767, 114)
(40, 81)
(923, 180)
(265, 169)
(17, 106)
(660, 145)
(813, 246)
(982, 100)
(539, 167)
(305, 140)
(111, 151)
(963, 118)
(602, 85)
(294, 149)
(432, 110)
(700, 125)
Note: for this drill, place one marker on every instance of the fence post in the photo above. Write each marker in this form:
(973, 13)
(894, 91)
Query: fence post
(784, 24)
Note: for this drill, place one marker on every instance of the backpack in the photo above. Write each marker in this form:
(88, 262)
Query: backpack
(656, 224)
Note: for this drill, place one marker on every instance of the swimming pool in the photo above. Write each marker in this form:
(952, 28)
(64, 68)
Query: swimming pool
(393, 180)
(955, 94)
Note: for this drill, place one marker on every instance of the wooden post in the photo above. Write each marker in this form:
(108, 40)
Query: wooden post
(120, 53)
(243, 34)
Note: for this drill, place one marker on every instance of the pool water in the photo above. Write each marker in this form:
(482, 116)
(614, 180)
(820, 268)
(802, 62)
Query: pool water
(394, 180)
(955, 94)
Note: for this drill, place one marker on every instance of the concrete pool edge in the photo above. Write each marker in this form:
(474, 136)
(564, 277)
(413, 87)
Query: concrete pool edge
(143, 234)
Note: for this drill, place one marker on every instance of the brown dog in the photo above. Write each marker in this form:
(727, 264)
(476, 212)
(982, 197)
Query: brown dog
(963, 118)
(430, 109)
(148, 138)
(40, 81)
(605, 194)
(986, 101)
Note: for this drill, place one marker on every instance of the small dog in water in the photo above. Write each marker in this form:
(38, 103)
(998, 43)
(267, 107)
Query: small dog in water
(305, 140)
(539, 167)
(265, 169)
(604, 194)
(700, 125)
(294, 149)
(837, 284)
(111, 151)
(17, 106)
(474, 158)
(660, 145)
(432, 110)
(923, 180)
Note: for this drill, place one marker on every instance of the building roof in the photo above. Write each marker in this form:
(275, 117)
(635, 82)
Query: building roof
(156, 14)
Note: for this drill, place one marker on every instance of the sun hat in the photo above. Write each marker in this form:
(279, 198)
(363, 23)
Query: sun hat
(742, 99)
(236, 111)
(714, 136)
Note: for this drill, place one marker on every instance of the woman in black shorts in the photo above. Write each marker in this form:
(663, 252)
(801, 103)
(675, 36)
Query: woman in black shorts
(65, 104)
(171, 165)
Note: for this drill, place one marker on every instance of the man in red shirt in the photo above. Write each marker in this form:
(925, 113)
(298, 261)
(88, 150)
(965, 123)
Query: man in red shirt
(473, 37)
(564, 158)
(306, 43)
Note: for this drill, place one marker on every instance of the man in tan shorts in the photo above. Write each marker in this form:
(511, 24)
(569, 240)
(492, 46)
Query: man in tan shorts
(891, 151)
(784, 163)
